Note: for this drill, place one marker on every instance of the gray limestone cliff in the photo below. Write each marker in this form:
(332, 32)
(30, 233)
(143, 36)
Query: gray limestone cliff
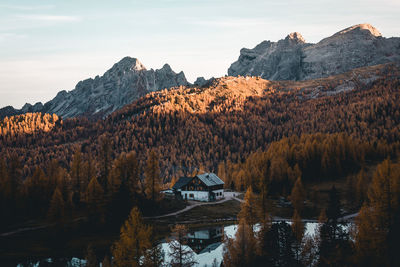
(294, 59)
(125, 82)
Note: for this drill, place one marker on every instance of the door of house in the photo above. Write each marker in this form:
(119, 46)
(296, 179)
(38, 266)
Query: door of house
(211, 196)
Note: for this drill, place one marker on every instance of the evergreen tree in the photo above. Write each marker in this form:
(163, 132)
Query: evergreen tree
(298, 231)
(91, 259)
(278, 246)
(106, 262)
(334, 247)
(309, 251)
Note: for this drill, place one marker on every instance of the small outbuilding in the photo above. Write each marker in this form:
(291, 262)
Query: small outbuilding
(202, 187)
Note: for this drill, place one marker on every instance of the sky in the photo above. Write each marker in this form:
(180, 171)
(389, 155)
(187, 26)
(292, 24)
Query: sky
(49, 45)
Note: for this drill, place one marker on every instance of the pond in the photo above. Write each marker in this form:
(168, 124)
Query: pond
(206, 244)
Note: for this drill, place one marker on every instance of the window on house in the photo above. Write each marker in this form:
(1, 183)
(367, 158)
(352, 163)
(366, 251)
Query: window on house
(191, 195)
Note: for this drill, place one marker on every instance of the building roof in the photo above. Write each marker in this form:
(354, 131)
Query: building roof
(210, 179)
(182, 182)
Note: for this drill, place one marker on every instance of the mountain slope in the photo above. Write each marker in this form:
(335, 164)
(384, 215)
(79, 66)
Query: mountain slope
(126, 81)
(294, 59)
(191, 127)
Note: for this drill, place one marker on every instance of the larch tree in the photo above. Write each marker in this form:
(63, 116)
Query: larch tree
(378, 221)
(95, 199)
(298, 195)
(181, 255)
(361, 186)
(89, 170)
(77, 177)
(39, 192)
(105, 161)
(241, 251)
(152, 177)
(263, 187)
(133, 242)
(3, 185)
(262, 239)
(154, 256)
(57, 207)
(248, 209)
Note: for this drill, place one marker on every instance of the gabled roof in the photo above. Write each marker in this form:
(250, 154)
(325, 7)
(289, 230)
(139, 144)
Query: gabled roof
(182, 182)
(210, 179)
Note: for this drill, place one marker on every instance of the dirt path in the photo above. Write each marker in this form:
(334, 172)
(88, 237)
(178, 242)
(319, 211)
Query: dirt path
(20, 230)
(232, 196)
(26, 229)
(192, 204)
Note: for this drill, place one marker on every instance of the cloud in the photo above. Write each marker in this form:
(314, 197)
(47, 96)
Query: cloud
(52, 18)
(228, 22)
(26, 7)
(4, 36)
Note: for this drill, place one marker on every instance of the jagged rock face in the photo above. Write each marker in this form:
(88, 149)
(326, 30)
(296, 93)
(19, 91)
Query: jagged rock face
(10, 111)
(201, 82)
(126, 81)
(272, 60)
(29, 108)
(293, 59)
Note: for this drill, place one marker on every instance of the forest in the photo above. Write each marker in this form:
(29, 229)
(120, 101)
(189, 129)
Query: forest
(201, 127)
(256, 136)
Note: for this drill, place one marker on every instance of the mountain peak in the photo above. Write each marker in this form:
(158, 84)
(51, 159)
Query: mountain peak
(167, 67)
(292, 59)
(295, 36)
(131, 63)
(361, 28)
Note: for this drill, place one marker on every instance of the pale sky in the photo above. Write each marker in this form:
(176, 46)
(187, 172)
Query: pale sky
(49, 46)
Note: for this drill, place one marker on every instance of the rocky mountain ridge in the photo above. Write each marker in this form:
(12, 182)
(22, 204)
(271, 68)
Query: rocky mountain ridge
(293, 59)
(126, 81)
(289, 59)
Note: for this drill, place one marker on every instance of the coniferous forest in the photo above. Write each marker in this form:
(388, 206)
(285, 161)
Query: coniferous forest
(266, 139)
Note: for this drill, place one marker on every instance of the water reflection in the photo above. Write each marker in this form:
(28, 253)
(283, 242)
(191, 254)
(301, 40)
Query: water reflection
(206, 244)
(205, 240)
